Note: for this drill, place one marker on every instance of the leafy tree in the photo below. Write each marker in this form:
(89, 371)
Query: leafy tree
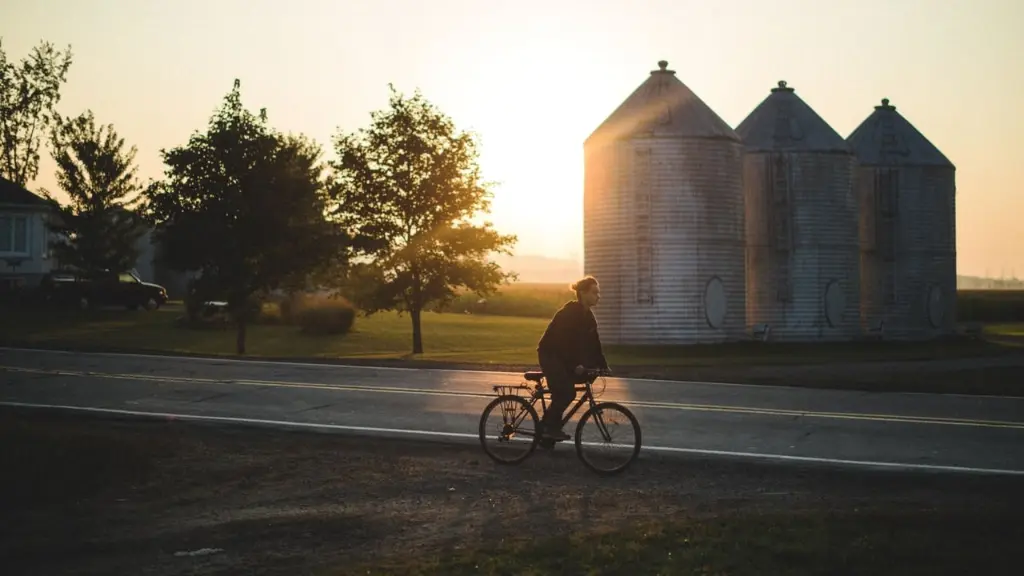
(245, 206)
(99, 228)
(408, 188)
(28, 94)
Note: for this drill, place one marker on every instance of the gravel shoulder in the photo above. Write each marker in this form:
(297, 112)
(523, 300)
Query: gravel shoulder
(89, 495)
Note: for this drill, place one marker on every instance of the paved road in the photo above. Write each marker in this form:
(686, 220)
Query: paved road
(919, 430)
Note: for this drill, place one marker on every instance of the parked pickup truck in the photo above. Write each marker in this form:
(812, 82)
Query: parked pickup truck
(102, 289)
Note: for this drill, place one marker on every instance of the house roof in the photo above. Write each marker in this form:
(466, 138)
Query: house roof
(662, 106)
(887, 138)
(784, 122)
(11, 193)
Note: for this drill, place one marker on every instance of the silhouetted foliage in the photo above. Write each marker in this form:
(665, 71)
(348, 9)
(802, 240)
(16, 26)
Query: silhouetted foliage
(28, 94)
(407, 188)
(99, 226)
(325, 316)
(247, 207)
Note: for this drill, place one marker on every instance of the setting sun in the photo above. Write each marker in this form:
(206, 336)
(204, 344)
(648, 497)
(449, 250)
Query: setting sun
(534, 79)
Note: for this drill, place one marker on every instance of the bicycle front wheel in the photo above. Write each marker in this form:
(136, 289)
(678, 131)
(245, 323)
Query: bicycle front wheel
(512, 436)
(608, 438)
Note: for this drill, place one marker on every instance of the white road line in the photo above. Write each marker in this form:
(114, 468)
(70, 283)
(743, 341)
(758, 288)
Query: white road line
(878, 417)
(325, 365)
(668, 449)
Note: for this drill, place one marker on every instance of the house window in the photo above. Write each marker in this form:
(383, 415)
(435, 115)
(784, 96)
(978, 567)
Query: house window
(14, 235)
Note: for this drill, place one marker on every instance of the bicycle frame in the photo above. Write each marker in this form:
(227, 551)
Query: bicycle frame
(539, 391)
(524, 396)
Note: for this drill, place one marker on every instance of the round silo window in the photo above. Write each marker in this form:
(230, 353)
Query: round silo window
(835, 303)
(936, 307)
(714, 302)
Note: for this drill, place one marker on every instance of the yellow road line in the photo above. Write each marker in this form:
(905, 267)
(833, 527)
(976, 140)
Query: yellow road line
(894, 418)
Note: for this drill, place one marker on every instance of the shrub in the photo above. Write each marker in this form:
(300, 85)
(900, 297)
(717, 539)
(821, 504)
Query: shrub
(270, 313)
(319, 315)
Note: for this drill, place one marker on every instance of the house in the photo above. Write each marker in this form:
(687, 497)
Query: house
(24, 236)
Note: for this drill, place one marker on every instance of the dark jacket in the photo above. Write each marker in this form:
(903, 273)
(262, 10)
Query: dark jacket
(572, 338)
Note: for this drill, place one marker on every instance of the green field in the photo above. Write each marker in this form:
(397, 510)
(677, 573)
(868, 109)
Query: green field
(524, 299)
(385, 335)
(504, 337)
(448, 337)
(541, 300)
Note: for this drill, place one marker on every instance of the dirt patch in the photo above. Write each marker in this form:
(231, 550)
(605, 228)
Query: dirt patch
(90, 495)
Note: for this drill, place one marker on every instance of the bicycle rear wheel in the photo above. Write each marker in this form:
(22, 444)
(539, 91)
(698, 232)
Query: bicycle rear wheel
(608, 432)
(514, 435)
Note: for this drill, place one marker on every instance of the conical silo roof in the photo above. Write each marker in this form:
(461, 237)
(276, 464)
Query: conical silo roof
(663, 107)
(784, 122)
(886, 138)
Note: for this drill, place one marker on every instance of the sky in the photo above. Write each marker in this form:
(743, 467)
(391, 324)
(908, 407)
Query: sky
(533, 79)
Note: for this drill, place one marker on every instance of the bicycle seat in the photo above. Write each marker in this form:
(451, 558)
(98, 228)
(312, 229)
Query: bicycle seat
(533, 375)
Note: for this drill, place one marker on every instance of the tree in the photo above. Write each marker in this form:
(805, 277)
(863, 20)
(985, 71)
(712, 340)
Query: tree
(245, 206)
(99, 228)
(29, 93)
(407, 189)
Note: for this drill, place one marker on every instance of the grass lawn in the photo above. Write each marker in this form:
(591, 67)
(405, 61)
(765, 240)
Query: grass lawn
(462, 337)
(448, 338)
(1007, 331)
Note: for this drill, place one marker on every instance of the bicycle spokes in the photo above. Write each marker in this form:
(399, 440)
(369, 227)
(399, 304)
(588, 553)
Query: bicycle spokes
(508, 429)
(609, 437)
(608, 424)
(509, 426)
(513, 415)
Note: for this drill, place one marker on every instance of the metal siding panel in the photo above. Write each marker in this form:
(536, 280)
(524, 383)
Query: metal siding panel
(803, 234)
(601, 251)
(897, 290)
(696, 233)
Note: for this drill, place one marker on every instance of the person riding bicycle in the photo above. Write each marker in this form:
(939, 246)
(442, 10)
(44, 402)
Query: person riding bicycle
(569, 344)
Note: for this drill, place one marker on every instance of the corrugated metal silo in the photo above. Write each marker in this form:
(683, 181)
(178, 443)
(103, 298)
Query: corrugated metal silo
(801, 223)
(907, 189)
(663, 218)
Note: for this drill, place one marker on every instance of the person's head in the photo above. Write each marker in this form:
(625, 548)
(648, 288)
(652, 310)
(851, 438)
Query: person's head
(587, 291)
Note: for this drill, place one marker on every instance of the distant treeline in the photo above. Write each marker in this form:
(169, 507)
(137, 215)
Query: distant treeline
(979, 283)
(531, 300)
(535, 300)
(990, 306)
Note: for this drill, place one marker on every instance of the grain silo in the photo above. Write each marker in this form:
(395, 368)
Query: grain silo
(907, 190)
(801, 223)
(663, 218)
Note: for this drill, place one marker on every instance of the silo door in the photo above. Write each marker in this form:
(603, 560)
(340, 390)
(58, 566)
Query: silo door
(714, 303)
(835, 304)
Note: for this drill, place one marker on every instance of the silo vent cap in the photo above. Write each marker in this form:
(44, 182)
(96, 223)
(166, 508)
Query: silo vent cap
(885, 105)
(663, 68)
(782, 87)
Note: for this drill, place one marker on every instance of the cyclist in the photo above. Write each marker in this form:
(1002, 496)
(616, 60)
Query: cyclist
(569, 343)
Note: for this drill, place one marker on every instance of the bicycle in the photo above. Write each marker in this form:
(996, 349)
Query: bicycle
(516, 409)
